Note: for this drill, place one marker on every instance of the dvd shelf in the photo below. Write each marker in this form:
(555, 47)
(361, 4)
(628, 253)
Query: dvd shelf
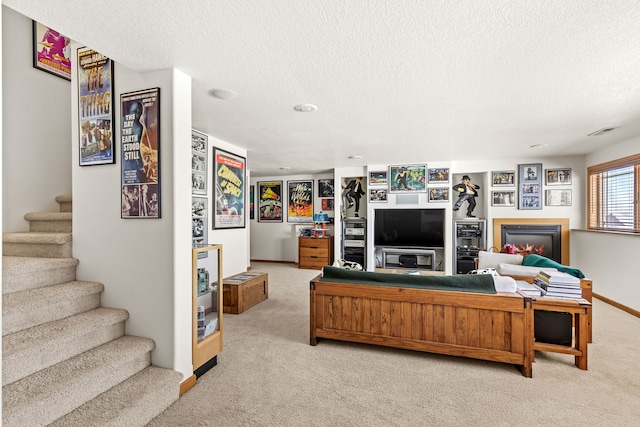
(207, 304)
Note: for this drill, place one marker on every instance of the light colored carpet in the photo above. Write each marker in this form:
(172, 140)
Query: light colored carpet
(269, 375)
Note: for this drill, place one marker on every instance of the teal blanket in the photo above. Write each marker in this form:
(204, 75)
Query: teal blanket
(534, 260)
(478, 283)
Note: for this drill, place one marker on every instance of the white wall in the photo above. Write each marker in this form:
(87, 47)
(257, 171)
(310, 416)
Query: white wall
(36, 161)
(278, 241)
(610, 259)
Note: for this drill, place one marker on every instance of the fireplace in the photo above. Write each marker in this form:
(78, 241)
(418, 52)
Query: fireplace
(545, 240)
(548, 237)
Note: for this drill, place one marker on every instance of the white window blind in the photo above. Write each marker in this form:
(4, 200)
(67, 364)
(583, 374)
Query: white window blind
(613, 195)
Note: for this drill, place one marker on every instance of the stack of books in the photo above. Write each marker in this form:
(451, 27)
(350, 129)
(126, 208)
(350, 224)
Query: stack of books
(529, 289)
(558, 284)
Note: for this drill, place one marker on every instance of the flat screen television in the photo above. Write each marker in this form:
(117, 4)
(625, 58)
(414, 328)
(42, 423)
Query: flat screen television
(409, 227)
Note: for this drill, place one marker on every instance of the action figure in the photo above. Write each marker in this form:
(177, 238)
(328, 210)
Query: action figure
(467, 191)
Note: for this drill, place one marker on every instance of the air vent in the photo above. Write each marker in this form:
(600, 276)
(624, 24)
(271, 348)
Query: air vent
(601, 131)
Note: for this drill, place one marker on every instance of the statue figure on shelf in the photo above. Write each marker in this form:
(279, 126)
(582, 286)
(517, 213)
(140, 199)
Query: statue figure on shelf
(466, 192)
(354, 193)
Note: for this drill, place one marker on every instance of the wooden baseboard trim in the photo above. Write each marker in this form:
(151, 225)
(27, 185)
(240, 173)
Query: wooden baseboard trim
(186, 385)
(617, 305)
(270, 260)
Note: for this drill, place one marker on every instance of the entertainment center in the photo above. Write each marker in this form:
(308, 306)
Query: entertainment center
(408, 238)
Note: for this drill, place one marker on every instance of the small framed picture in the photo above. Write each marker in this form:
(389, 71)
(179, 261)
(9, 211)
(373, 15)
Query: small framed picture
(325, 188)
(503, 198)
(530, 186)
(503, 178)
(438, 194)
(558, 176)
(438, 175)
(558, 197)
(378, 195)
(377, 178)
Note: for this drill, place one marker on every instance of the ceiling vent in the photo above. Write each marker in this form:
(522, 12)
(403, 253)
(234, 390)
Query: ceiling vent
(601, 131)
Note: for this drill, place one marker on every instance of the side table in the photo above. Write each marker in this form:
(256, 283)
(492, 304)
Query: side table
(580, 310)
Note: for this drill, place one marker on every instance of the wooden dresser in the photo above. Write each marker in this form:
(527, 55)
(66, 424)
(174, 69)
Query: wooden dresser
(314, 253)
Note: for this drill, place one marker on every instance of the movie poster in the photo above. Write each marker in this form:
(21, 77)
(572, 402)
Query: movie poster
(51, 51)
(300, 201)
(95, 108)
(140, 147)
(229, 193)
(270, 201)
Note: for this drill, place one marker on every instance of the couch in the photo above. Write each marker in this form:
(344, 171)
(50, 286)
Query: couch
(459, 315)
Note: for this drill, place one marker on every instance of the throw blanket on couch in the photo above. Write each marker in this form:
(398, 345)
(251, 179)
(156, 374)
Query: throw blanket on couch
(482, 283)
(535, 260)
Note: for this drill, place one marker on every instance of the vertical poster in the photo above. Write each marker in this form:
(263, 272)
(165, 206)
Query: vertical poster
(270, 201)
(229, 193)
(199, 142)
(251, 204)
(140, 147)
(95, 108)
(199, 220)
(300, 201)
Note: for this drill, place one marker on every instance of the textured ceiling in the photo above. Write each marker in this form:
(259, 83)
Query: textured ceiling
(394, 80)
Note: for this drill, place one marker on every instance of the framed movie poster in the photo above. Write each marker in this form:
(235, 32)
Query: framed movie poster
(140, 148)
(328, 204)
(503, 198)
(270, 201)
(199, 143)
(95, 108)
(51, 51)
(377, 178)
(530, 186)
(325, 188)
(199, 219)
(251, 204)
(438, 175)
(503, 178)
(438, 194)
(408, 178)
(229, 192)
(558, 176)
(300, 200)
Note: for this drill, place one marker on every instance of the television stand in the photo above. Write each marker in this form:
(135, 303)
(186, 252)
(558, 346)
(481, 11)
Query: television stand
(408, 258)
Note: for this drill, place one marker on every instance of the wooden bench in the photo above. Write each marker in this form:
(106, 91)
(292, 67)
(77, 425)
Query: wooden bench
(244, 290)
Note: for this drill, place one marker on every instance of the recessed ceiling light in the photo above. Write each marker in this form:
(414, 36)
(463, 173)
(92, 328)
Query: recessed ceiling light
(539, 146)
(305, 108)
(355, 157)
(223, 94)
(285, 168)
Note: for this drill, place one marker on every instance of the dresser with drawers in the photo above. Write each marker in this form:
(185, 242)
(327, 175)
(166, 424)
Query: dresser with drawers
(314, 253)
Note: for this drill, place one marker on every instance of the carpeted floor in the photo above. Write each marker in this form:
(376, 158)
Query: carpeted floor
(269, 375)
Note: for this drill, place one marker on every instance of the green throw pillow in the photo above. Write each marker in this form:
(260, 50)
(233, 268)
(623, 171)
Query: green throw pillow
(534, 260)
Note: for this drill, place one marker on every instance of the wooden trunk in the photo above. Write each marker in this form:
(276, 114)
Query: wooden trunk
(482, 326)
(239, 296)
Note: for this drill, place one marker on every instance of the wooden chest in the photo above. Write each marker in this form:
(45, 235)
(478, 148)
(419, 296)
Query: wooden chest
(244, 290)
(314, 253)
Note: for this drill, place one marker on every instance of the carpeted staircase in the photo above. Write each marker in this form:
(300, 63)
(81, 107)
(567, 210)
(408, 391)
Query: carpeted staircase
(65, 359)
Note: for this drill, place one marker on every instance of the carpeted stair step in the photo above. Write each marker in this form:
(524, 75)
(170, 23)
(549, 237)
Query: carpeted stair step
(49, 221)
(65, 202)
(37, 244)
(22, 273)
(135, 402)
(31, 350)
(26, 309)
(47, 395)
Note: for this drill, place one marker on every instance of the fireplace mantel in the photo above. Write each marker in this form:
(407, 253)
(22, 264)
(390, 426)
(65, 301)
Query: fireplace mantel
(563, 222)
